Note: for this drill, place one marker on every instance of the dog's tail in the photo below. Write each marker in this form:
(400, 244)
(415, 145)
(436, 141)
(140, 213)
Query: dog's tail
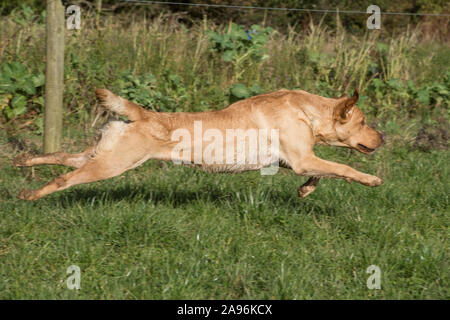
(120, 105)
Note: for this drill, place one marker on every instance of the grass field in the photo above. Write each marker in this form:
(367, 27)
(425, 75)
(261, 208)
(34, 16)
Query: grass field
(170, 232)
(166, 232)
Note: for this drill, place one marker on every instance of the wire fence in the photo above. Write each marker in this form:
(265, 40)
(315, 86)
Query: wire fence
(145, 2)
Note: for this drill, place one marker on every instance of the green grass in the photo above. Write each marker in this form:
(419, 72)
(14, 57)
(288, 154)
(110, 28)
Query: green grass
(165, 232)
(169, 232)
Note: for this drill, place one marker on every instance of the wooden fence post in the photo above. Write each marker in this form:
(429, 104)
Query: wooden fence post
(54, 76)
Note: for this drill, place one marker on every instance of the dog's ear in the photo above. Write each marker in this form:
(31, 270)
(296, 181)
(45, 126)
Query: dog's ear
(341, 111)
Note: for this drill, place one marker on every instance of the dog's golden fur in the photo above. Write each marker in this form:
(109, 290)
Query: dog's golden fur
(301, 118)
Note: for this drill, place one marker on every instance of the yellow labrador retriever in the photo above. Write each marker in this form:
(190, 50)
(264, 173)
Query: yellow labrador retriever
(288, 123)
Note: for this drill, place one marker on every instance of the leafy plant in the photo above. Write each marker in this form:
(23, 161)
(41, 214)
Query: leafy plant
(144, 90)
(174, 88)
(425, 98)
(240, 91)
(241, 47)
(24, 15)
(18, 89)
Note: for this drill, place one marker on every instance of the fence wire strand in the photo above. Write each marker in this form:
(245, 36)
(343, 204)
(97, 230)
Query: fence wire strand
(144, 2)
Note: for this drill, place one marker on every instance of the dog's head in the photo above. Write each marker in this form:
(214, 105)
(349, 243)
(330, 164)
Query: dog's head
(351, 127)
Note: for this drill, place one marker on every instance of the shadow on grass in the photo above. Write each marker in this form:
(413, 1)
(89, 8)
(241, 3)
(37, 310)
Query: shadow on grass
(179, 198)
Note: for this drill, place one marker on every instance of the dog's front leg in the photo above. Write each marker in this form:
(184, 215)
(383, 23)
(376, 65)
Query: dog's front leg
(316, 167)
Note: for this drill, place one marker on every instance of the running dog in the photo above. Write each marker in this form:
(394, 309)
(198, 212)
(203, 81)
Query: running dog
(299, 118)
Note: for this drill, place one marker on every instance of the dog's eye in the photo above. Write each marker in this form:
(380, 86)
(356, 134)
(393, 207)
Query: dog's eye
(363, 123)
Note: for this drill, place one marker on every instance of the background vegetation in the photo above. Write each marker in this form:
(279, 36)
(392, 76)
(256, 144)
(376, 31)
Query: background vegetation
(163, 231)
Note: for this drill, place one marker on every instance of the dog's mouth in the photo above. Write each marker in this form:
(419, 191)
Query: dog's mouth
(364, 148)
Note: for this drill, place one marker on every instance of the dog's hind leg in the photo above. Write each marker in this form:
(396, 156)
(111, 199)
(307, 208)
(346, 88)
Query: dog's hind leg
(100, 168)
(60, 158)
(81, 175)
(121, 148)
(90, 172)
(308, 187)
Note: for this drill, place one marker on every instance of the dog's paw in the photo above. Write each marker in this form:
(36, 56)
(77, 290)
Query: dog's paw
(21, 160)
(26, 194)
(304, 191)
(376, 182)
(372, 181)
